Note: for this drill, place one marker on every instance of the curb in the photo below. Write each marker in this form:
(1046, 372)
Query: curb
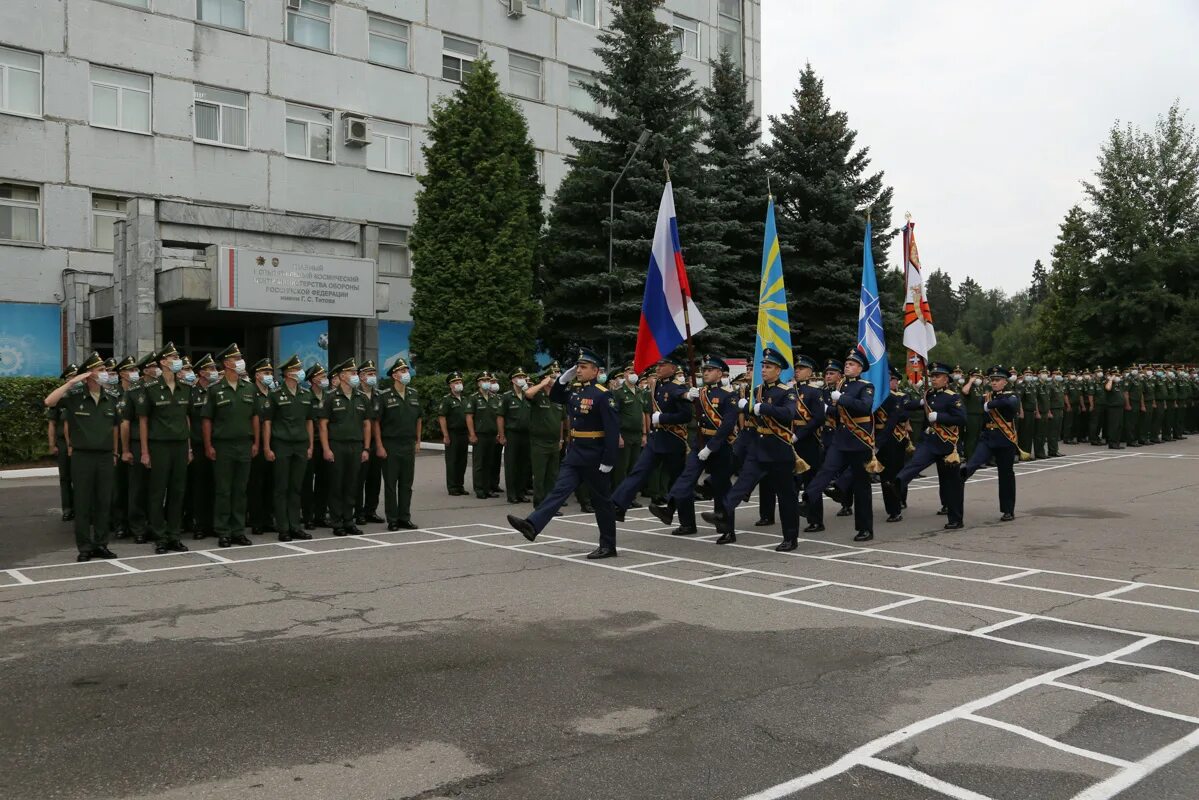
(34, 472)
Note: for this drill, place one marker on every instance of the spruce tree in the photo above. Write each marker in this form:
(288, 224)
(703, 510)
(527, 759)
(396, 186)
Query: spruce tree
(1060, 333)
(822, 188)
(1039, 288)
(476, 234)
(643, 87)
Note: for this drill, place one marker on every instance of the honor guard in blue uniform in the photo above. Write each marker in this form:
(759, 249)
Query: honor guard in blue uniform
(772, 457)
(809, 419)
(946, 417)
(594, 442)
(998, 439)
(891, 442)
(851, 445)
(714, 453)
(670, 411)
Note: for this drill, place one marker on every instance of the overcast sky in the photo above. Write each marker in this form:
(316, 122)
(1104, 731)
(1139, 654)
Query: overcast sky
(985, 116)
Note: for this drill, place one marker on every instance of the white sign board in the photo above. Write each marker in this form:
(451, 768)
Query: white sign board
(292, 283)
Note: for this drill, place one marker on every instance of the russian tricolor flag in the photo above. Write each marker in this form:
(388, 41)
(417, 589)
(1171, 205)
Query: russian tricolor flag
(663, 325)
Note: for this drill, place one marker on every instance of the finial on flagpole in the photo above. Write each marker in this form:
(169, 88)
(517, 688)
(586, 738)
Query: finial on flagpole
(908, 216)
(769, 194)
(666, 166)
(868, 210)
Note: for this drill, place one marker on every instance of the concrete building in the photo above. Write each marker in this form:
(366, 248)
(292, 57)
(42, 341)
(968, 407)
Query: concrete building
(216, 170)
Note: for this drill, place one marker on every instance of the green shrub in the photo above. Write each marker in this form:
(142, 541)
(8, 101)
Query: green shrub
(22, 418)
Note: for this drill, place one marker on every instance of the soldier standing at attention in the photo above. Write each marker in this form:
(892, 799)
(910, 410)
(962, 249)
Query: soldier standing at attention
(397, 432)
(314, 495)
(56, 432)
(1041, 426)
(287, 439)
(482, 411)
(999, 440)
(231, 431)
(545, 434)
(631, 402)
(346, 444)
(594, 442)
(1094, 397)
(261, 487)
(127, 378)
(972, 400)
(513, 422)
(370, 475)
(1115, 400)
(92, 424)
(1070, 418)
(1057, 413)
(199, 471)
(945, 416)
(1144, 430)
(1026, 389)
(137, 502)
(451, 415)
(164, 431)
(1136, 406)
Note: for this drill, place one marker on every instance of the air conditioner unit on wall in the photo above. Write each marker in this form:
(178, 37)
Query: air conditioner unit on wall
(516, 8)
(355, 130)
(294, 5)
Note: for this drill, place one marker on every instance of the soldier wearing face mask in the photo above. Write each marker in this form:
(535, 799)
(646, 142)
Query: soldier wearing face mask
(1095, 409)
(1057, 413)
(1043, 416)
(631, 402)
(127, 378)
(1135, 388)
(1026, 389)
(1115, 400)
(260, 492)
(370, 476)
(346, 444)
(137, 474)
(56, 431)
(513, 423)
(972, 401)
(231, 440)
(197, 512)
(482, 428)
(164, 432)
(288, 440)
(314, 494)
(397, 441)
(451, 416)
(1070, 417)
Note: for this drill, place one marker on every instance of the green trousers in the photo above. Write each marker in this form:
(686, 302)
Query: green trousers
(343, 482)
(91, 474)
(66, 497)
(1053, 427)
(627, 456)
(231, 474)
(118, 517)
(199, 491)
(291, 459)
(1144, 425)
(1132, 423)
(1069, 426)
(260, 502)
(545, 457)
(483, 457)
(1095, 425)
(974, 426)
(1024, 431)
(1040, 429)
(1113, 425)
(455, 461)
(137, 481)
(168, 483)
(517, 465)
(398, 472)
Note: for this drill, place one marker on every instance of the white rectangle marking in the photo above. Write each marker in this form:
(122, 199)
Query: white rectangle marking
(923, 779)
(1045, 740)
(890, 606)
(1014, 576)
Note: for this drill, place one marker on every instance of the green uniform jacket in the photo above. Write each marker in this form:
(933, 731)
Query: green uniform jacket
(346, 415)
(484, 409)
(398, 414)
(231, 410)
(453, 408)
(289, 414)
(167, 412)
(1114, 397)
(545, 419)
(631, 404)
(1057, 397)
(516, 410)
(91, 421)
(196, 413)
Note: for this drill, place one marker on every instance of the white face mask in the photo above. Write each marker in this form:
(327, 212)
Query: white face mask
(323, 383)
(632, 380)
(372, 380)
(725, 380)
(101, 378)
(268, 381)
(521, 383)
(354, 381)
(188, 377)
(495, 387)
(296, 376)
(405, 378)
(616, 382)
(152, 373)
(175, 364)
(239, 367)
(456, 388)
(212, 376)
(133, 376)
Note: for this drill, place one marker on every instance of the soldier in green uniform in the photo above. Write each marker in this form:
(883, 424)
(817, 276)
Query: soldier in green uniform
(1057, 413)
(1149, 385)
(397, 435)
(545, 433)
(1026, 389)
(231, 440)
(513, 424)
(199, 471)
(164, 435)
(127, 378)
(314, 495)
(56, 433)
(972, 400)
(631, 405)
(92, 444)
(1041, 417)
(260, 489)
(1115, 399)
(482, 409)
(137, 477)
(1173, 431)
(1095, 409)
(1136, 406)
(451, 416)
(370, 475)
(1070, 414)
(345, 441)
(287, 440)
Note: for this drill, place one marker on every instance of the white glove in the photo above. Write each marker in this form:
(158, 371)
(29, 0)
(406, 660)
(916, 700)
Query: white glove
(742, 404)
(692, 393)
(932, 416)
(605, 468)
(987, 406)
(794, 438)
(757, 408)
(703, 453)
(657, 416)
(835, 395)
(568, 376)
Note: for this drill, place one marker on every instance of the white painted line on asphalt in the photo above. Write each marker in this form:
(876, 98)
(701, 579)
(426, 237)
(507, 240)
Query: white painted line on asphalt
(116, 562)
(889, 606)
(721, 577)
(1129, 703)
(1014, 576)
(215, 556)
(1005, 623)
(789, 592)
(296, 547)
(923, 779)
(1121, 590)
(1117, 783)
(1045, 740)
(652, 564)
(19, 577)
(856, 552)
(928, 563)
(1182, 673)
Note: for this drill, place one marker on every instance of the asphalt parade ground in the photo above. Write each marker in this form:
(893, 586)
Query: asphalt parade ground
(1054, 657)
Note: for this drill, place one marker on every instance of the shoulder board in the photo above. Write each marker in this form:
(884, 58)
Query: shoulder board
(601, 387)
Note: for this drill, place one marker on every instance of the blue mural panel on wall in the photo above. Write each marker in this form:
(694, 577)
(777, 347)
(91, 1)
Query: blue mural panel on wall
(393, 342)
(308, 340)
(30, 339)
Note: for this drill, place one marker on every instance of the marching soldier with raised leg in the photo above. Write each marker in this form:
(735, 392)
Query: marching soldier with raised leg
(999, 440)
(945, 416)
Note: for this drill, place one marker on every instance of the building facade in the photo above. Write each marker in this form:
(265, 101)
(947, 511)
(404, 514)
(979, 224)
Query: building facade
(172, 168)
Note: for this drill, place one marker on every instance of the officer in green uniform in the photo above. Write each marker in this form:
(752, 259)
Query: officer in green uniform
(163, 431)
(972, 400)
(545, 433)
(198, 507)
(56, 433)
(1136, 404)
(482, 412)
(1095, 409)
(1057, 412)
(92, 424)
(314, 496)
(287, 441)
(1149, 394)
(1114, 401)
(1170, 430)
(1070, 415)
(1041, 423)
(1026, 389)
(451, 416)
(513, 424)
(631, 405)
(137, 477)
(370, 474)
(345, 441)
(127, 378)
(397, 433)
(260, 489)
(231, 440)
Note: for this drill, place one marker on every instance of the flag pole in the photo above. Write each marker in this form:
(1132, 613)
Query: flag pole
(686, 315)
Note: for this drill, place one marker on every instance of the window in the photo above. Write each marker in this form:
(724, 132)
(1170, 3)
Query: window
(226, 13)
(686, 36)
(120, 100)
(221, 116)
(582, 10)
(580, 100)
(388, 42)
(311, 25)
(309, 133)
(105, 211)
(457, 58)
(540, 160)
(729, 29)
(390, 148)
(524, 73)
(393, 252)
(20, 82)
(20, 213)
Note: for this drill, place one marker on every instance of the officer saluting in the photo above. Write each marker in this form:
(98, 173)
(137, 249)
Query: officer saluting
(230, 441)
(945, 417)
(595, 439)
(998, 439)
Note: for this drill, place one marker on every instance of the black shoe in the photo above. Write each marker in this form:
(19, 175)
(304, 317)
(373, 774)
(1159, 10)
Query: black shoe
(120, 533)
(300, 535)
(635, 504)
(845, 512)
(340, 532)
(360, 519)
(321, 522)
(522, 526)
(834, 494)
(177, 546)
(620, 513)
(664, 513)
(895, 518)
(559, 514)
(285, 537)
(354, 530)
(787, 546)
(1008, 517)
(864, 536)
(393, 526)
(160, 549)
(84, 557)
(815, 527)
(727, 538)
(953, 526)
(762, 523)
(685, 530)
(241, 539)
(711, 517)
(943, 512)
(659, 500)
(200, 535)
(67, 516)
(408, 525)
(224, 541)
(103, 552)
(602, 552)
(492, 494)
(373, 518)
(588, 509)
(139, 539)
(308, 526)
